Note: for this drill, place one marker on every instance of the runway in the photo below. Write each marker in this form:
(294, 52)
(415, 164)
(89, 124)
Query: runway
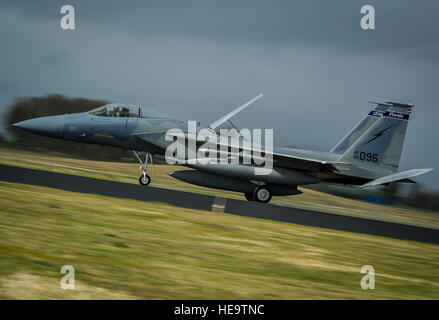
(204, 202)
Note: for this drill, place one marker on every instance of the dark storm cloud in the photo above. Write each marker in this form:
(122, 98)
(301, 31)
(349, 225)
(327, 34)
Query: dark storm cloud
(402, 23)
(199, 59)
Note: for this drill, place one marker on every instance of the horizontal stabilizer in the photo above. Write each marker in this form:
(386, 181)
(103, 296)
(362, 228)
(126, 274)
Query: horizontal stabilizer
(396, 177)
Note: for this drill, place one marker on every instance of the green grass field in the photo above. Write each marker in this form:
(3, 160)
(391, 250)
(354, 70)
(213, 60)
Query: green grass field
(123, 249)
(129, 173)
(131, 249)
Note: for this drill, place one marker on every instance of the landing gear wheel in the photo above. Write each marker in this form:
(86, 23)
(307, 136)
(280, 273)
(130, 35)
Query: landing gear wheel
(249, 196)
(144, 179)
(262, 194)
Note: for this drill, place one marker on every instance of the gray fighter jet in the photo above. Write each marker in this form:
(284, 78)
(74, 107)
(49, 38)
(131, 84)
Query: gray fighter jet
(367, 156)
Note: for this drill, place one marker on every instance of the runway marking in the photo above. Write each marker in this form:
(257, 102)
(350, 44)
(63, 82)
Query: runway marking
(219, 204)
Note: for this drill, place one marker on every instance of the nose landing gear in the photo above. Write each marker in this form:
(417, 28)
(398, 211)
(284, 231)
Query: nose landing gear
(144, 179)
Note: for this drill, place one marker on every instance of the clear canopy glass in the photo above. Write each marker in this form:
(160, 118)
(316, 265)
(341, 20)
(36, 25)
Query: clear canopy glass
(131, 111)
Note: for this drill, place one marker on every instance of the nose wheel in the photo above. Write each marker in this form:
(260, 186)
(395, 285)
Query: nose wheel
(144, 179)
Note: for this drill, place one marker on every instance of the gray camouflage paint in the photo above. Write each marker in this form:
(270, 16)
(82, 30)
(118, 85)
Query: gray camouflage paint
(371, 150)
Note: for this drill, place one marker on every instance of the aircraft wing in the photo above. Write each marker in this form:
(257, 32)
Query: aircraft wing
(301, 162)
(396, 177)
(223, 119)
(288, 161)
(281, 157)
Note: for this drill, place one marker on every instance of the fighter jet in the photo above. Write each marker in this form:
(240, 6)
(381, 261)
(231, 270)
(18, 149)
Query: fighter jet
(367, 156)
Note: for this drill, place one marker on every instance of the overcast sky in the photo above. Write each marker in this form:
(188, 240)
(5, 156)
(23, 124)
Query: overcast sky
(200, 59)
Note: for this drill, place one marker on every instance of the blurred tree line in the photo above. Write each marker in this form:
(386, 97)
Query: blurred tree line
(27, 108)
(417, 197)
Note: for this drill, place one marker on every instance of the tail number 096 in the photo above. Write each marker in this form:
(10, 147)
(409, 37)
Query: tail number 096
(368, 156)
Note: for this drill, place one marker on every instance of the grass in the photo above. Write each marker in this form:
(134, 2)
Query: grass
(129, 172)
(131, 249)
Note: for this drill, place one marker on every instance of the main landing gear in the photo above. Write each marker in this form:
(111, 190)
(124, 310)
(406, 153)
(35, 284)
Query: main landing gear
(144, 179)
(260, 194)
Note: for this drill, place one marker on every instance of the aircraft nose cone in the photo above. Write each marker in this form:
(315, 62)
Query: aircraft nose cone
(46, 126)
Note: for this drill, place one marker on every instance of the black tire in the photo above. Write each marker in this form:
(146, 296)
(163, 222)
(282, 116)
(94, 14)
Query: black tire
(262, 194)
(249, 196)
(144, 180)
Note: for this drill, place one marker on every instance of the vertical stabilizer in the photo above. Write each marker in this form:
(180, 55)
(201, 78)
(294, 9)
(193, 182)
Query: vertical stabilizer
(377, 141)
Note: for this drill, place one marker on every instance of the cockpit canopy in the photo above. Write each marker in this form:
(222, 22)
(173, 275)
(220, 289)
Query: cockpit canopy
(126, 110)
